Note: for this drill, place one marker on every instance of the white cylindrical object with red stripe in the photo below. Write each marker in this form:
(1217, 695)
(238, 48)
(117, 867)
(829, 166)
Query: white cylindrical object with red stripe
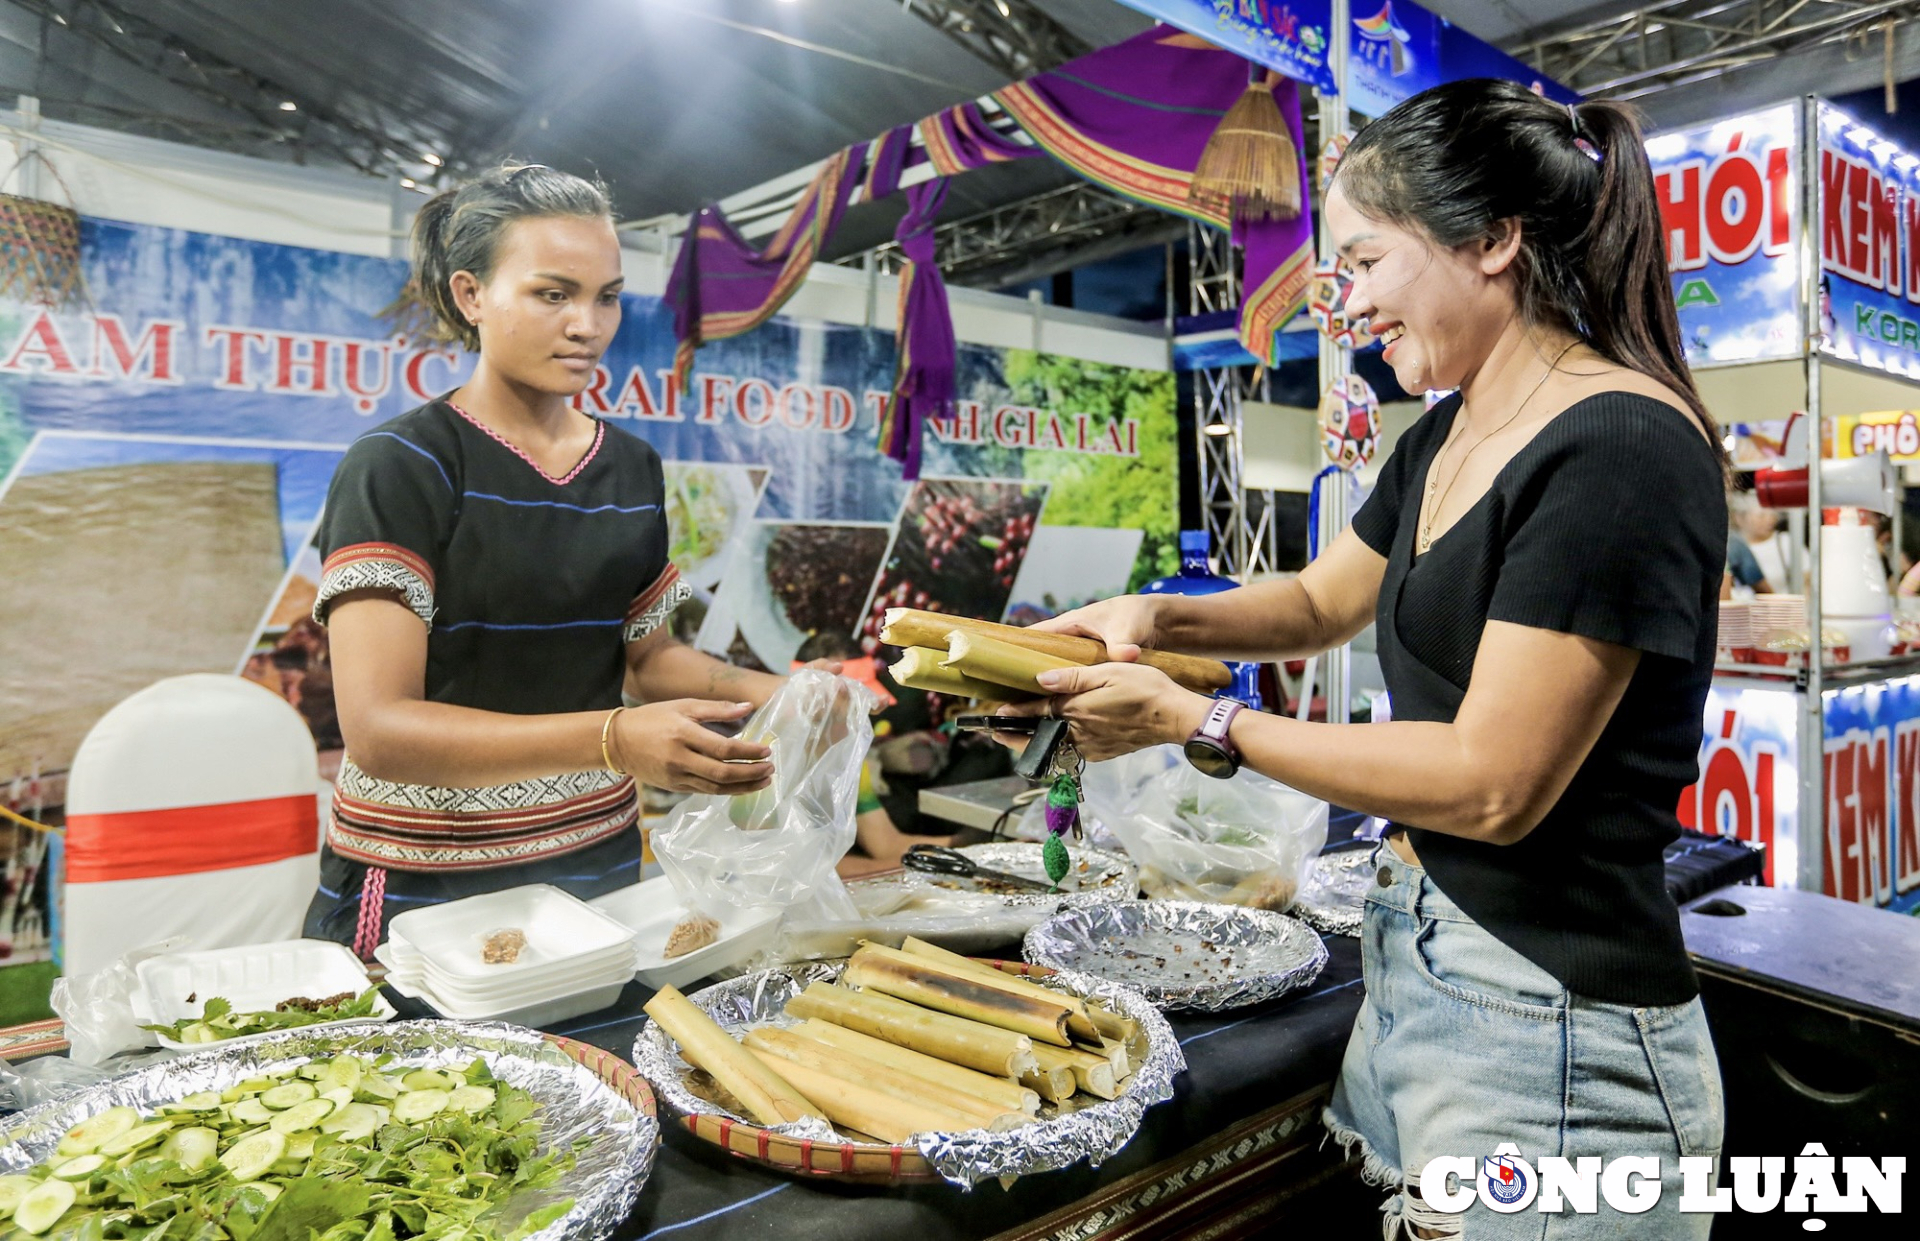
(191, 811)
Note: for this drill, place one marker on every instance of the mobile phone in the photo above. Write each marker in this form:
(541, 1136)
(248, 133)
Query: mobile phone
(998, 723)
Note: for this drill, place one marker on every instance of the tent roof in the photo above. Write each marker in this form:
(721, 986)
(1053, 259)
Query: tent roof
(672, 102)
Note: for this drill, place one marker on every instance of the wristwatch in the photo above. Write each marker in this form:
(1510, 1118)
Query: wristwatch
(1209, 748)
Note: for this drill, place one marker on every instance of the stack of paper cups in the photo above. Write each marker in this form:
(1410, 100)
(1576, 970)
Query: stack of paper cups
(1736, 629)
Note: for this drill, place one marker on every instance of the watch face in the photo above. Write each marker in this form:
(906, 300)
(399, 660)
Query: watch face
(1210, 759)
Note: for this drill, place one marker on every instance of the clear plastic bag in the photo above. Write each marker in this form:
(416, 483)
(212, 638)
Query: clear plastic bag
(98, 1007)
(963, 922)
(776, 849)
(1244, 841)
(1105, 790)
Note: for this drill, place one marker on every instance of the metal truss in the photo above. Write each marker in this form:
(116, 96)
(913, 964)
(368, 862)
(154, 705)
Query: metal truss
(1677, 42)
(276, 116)
(1016, 37)
(1035, 237)
(1240, 546)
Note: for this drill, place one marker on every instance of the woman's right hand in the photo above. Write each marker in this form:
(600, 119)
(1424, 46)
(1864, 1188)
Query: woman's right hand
(1125, 623)
(667, 745)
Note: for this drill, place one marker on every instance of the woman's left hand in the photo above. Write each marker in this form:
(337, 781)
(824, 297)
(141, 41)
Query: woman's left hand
(1115, 709)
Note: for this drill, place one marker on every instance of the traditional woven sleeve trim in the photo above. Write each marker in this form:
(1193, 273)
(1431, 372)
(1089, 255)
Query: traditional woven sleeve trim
(376, 566)
(651, 608)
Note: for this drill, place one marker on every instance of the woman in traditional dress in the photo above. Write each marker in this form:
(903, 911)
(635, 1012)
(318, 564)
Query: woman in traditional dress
(495, 574)
(1542, 555)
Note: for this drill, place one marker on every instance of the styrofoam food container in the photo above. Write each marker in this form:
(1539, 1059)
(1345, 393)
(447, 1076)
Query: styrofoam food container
(501, 999)
(615, 958)
(652, 909)
(560, 929)
(253, 978)
(536, 1013)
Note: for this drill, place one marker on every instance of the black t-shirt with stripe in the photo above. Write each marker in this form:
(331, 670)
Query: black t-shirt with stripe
(530, 584)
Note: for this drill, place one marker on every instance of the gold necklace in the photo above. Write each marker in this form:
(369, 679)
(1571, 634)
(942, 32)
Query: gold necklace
(1432, 505)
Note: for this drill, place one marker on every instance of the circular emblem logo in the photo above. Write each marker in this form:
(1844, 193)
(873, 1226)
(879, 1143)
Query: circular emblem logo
(1505, 1179)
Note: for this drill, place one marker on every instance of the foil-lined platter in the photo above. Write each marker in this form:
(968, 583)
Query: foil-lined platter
(1183, 954)
(611, 1164)
(1093, 877)
(1333, 896)
(1063, 1134)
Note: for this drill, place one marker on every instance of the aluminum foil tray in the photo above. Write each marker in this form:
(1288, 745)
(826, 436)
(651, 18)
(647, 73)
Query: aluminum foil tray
(1065, 1135)
(1183, 954)
(1333, 896)
(1097, 877)
(574, 1103)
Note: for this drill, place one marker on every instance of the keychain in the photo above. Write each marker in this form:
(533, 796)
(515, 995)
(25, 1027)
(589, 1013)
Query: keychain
(1063, 811)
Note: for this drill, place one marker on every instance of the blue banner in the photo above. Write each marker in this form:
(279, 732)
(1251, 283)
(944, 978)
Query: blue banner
(165, 450)
(1730, 201)
(1398, 48)
(1869, 246)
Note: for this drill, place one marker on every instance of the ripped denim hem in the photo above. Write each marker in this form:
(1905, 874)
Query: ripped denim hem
(1373, 1169)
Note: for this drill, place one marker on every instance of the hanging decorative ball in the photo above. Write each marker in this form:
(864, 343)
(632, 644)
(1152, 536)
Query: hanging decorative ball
(1327, 304)
(1350, 422)
(1330, 153)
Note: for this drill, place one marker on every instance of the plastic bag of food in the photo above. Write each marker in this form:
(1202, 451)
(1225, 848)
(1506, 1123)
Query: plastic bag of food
(966, 922)
(98, 1007)
(1243, 841)
(777, 848)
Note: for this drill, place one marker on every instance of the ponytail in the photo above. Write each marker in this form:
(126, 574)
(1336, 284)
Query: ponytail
(1457, 160)
(460, 229)
(1627, 312)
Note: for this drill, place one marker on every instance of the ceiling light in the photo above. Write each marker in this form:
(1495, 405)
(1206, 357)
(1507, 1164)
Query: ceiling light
(1217, 429)
(407, 183)
(1002, 6)
(430, 158)
(288, 105)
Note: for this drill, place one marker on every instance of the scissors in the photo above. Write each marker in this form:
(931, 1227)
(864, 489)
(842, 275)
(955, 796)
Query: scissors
(940, 860)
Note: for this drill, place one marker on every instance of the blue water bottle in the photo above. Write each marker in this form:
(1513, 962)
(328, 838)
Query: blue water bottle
(1196, 578)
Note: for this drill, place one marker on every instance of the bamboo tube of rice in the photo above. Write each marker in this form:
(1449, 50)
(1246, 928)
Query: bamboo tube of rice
(919, 667)
(912, 627)
(765, 1093)
(989, 659)
(994, 1092)
(945, 991)
(849, 1066)
(989, 1049)
(1116, 1054)
(1107, 1024)
(1091, 1073)
(1080, 1022)
(1055, 1085)
(863, 1108)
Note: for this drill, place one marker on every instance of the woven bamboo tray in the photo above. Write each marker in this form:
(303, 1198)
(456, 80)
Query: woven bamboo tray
(859, 1163)
(611, 1069)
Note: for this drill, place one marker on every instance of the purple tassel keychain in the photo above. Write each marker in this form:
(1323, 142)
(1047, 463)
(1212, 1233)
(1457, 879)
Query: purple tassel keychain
(1063, 816)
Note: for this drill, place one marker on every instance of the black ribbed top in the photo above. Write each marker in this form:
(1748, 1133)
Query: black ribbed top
(1610, 524)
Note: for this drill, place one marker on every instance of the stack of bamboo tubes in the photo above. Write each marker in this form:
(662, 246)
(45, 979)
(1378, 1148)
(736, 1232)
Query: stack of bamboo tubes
(913, 1040)
(979, 659)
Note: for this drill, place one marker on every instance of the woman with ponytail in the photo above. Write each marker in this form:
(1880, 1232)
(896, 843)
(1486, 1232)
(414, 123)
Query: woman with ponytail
(495, 576)
(1542, 555)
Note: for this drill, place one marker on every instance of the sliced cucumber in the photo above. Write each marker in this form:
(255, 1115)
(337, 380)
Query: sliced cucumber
(137, 1138)
(471, 1099)
(192, 1149)
(12, 1190)
(205, 1101)
(280, 1098)
(313, 1072)
(86, 1137)
(252, 1157)
(343, 1073)
(427, 1079)
(254, 1085)
(251, 1112)
(301, 1116)
(266, 1189)
(356, 1122)
(42, 1208)
(339, 1096)
(79, 1169)
(418, 1105)
(300, 1145)
(375, 1087)
(199, 1032)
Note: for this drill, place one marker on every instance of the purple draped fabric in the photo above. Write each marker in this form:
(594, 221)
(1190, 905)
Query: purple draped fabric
(923, 377)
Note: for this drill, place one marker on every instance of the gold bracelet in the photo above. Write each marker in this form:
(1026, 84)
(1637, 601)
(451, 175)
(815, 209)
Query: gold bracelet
(606, 736)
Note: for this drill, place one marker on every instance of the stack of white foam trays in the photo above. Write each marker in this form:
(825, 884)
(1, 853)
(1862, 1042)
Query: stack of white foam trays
(576, 958)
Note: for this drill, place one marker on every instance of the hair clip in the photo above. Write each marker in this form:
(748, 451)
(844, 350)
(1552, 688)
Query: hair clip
(1587, 149)
(1574, 119)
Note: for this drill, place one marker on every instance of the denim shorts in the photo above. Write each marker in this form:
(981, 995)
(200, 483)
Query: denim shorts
(1463, 1044)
